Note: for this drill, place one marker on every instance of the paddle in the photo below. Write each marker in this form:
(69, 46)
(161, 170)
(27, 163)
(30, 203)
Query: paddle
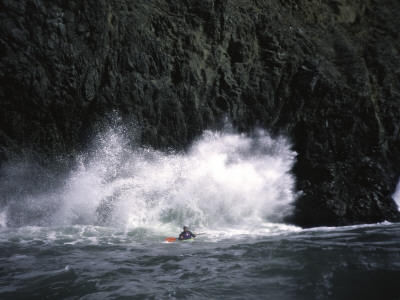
(172, 239)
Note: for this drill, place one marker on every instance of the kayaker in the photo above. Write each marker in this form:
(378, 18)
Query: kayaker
(186, 234)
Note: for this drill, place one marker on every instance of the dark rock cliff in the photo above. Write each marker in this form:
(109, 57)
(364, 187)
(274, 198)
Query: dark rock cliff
(325, 73)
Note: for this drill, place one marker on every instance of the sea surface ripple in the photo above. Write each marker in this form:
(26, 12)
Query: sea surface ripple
(90, 262)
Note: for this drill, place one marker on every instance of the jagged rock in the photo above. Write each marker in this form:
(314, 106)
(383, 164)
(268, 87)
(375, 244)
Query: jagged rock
(324, 73)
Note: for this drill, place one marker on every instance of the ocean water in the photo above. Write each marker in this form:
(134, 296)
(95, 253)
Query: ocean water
(91, 262)
(99, 233)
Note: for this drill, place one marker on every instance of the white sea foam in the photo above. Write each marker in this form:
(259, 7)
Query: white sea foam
(224, 180)
(3, 219)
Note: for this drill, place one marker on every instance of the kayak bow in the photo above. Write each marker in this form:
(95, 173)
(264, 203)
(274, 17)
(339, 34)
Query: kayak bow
(170, 239)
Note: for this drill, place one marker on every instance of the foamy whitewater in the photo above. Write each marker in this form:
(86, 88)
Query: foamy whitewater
(396, 196)
(99, 232)
(225, 180)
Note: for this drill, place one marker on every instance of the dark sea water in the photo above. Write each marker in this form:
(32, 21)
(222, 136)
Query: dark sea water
(98, 232)
(89, 262)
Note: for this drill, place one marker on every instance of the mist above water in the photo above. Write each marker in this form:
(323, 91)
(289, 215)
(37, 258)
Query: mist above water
(223, 180)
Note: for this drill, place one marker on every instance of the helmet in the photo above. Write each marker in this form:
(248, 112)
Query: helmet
(185, 226)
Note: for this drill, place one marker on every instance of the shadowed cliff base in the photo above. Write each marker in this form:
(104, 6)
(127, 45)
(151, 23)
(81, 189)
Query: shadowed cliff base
(325, 74)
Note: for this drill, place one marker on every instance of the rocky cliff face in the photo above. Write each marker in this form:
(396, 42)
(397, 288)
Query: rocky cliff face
(325, 73)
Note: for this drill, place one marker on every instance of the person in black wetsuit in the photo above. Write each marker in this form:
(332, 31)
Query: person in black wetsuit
(186, 234)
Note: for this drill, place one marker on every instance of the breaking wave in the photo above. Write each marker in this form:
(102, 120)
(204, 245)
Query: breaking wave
(224, 179)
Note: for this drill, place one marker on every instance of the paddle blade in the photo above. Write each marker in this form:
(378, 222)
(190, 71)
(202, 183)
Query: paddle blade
(170, 240)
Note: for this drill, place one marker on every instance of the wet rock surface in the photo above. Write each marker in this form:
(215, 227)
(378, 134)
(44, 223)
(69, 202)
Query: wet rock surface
(324, 73)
